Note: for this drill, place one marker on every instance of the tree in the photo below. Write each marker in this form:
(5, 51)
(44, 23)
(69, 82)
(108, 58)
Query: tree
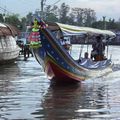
(90, 17)
(112, 24)
(79, 15)
(98, 24)
(50, 13)
(71, 19)
(84, 16)
(13, 20)
(1, 18)
(29, 18)
(42, 8)
(63, 13)
(23, 23)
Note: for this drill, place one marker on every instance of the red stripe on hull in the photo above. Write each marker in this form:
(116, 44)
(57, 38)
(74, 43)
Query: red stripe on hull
(57, 74)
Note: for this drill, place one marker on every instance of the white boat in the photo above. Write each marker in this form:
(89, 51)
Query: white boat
(9, 50)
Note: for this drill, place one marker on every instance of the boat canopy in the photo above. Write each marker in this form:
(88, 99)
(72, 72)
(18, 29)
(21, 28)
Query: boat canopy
(75, 30)
(6, 29)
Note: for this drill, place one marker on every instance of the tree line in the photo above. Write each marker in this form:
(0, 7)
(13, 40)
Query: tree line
(63, 14)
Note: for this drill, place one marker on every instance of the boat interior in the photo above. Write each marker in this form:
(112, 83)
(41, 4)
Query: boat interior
(58, 30)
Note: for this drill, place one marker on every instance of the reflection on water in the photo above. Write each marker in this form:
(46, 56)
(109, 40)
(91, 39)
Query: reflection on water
(26, 93)
(60, 102)
(21, 87)
(73, 102)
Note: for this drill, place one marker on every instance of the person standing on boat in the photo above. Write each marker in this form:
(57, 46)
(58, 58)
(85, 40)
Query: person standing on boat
(62, 41)
(98, 49)
(66, 44)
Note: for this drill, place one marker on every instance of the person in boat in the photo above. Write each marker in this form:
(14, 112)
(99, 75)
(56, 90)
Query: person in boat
(98, 49)
(65, 43)
(62, 41)
(86, 55)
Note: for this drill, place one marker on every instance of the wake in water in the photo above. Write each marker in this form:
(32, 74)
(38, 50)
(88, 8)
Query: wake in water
(116, 67)
(113, 77)
(116, 72)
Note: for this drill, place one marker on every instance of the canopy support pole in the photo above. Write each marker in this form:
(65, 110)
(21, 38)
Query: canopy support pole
(81, 48)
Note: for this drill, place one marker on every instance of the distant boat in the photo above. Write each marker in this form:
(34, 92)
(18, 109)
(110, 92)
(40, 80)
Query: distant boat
(9, 50)
(58, 63)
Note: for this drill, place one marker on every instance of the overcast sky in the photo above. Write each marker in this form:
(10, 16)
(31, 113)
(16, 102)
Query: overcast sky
(108, 8)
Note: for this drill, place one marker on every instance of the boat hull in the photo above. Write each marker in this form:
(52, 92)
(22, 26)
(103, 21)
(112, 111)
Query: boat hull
(54, 71)
(9, 57)
(57, 73)
(9, 50)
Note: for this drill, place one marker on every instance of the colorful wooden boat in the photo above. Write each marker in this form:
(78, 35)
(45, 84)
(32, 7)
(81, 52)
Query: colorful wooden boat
(57, 62)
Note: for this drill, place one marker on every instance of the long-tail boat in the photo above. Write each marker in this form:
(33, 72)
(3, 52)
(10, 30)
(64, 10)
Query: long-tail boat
(57, 62)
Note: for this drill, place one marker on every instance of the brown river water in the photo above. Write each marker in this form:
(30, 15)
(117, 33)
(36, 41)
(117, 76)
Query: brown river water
(27, 94)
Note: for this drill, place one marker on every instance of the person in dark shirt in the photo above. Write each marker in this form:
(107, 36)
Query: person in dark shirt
(98, 49)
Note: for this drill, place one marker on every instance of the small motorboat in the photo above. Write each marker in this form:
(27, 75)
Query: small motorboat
(58, 64)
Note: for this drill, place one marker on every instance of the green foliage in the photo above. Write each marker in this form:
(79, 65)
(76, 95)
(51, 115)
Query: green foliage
(98, 24)
(23, 24)
(63, 13)
(84, 16)
(29, 17)
(1, 18)
(13, 20)
(71, 19)
(51, 17)
(50, 13)
(109, 25)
